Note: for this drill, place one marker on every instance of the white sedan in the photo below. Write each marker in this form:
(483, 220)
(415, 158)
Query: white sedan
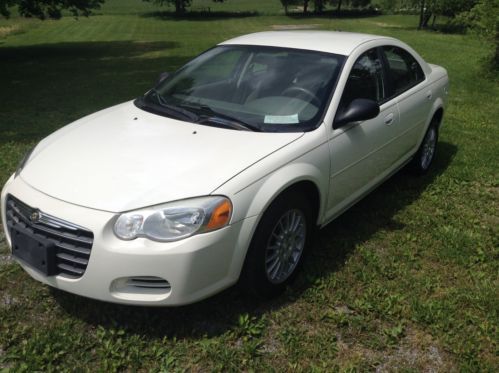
(223, 170)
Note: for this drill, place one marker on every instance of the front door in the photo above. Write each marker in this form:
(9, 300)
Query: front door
(361, 152)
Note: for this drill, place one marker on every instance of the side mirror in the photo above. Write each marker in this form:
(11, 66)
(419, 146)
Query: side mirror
(162, 77)
(358, 110)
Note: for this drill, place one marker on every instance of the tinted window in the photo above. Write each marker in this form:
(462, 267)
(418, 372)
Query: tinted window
(405, 71)
(365, 80)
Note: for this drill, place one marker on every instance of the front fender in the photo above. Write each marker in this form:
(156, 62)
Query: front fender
(266, 191)
(252, 191)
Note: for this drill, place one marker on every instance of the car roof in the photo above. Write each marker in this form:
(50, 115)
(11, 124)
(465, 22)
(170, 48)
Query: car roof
(337, 42)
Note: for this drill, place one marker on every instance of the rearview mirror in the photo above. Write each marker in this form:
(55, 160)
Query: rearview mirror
(358, 110)
(162, 77)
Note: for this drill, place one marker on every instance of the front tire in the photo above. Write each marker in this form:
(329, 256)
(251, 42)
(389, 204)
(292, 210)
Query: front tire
(278, 246)
(426, 153)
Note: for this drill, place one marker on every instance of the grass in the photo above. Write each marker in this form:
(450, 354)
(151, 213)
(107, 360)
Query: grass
(407, 280)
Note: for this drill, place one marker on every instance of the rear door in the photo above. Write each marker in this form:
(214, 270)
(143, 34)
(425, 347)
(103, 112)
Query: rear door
(408, 87)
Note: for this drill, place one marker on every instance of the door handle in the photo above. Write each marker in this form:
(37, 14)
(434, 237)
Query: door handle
(389, 119)
(429, 95)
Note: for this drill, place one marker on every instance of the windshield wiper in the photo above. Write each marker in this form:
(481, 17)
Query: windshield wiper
(208, 115)
(170, 109)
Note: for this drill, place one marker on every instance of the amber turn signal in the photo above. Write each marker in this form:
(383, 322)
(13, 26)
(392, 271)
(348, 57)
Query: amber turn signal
(220, 216)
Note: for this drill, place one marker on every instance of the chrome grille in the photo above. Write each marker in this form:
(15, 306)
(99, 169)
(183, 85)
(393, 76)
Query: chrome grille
(73, 243)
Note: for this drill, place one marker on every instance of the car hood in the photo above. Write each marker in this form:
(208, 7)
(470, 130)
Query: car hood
(124, 158)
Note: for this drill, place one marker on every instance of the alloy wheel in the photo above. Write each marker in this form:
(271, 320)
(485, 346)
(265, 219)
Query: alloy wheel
(285, 246)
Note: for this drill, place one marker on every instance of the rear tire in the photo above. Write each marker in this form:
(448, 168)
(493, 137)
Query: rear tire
(278, 246)
(425, 155)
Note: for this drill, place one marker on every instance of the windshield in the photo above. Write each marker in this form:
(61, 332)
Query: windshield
(258, 88)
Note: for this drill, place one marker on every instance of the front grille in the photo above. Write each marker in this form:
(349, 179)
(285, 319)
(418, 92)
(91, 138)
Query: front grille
(73, 243)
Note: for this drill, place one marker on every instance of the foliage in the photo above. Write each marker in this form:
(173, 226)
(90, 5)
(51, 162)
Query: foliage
(4, 5)
(479, 16)
(50, 8)
(483, 19)
(387, 6)
(287, 3)
(180, 5)
(320, 5)
(351, 3)
(449, 8)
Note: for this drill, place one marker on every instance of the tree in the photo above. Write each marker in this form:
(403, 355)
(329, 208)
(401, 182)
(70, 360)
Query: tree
(352, 3)
(50, 8)
(483, 19)
(422, 10)
(338, 3)
(360, 3)
(449, 8)
(4, 7)
(387, 5)
(180, 5)
(319, 6)
(287, 3)
(305, 6)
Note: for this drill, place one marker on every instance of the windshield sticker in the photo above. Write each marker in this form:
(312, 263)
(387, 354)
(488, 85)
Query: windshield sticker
(281, 119)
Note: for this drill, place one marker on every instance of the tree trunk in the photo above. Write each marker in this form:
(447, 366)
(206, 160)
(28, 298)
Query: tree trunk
(319, 6)
(338, 9)
(433, 22)
(179, 6)
(305, 6)
(421, 14)
(426, 19)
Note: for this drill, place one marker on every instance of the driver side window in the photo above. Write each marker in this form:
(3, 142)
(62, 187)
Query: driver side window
(365, 80)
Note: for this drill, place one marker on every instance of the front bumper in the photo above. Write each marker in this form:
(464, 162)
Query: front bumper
(195, 268)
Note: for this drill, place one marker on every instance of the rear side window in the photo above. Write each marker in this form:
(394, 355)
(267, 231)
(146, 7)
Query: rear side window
(404, 71)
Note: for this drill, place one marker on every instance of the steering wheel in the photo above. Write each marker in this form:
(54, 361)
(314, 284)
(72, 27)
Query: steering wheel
(296, 91)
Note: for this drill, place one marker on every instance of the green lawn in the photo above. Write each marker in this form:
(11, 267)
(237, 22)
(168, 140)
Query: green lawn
(406, 280)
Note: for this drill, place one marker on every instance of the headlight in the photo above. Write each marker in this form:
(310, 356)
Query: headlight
(23, 161)
(176, 220)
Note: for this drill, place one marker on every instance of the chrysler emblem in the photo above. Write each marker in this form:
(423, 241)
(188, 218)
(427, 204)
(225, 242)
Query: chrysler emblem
(35, 216)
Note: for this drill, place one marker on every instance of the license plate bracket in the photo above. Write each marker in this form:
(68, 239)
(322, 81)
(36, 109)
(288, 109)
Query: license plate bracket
(37, 252)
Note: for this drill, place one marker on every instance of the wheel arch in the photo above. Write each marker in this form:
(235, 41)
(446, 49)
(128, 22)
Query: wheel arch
(304, 187)
(311, 192)
(298, 177)
(302, 178)
(437, 112)
(438, 115)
